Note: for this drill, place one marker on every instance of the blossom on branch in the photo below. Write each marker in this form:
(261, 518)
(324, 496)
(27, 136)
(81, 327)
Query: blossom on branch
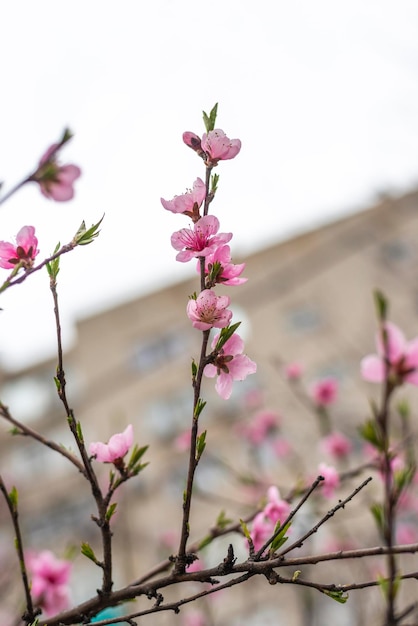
(55, 180)
(50, 578)
(395, 357)
(324, 392)
(24, 251)
(229, 365)
(188, 203)
(219, 147)
(331, 480)
(115, 449)
(199, 241)
(209, 310)
(219, 269)
(337, 445)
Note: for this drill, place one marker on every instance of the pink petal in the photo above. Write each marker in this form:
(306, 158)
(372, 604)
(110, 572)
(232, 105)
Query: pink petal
(372, 369)
(396, 343)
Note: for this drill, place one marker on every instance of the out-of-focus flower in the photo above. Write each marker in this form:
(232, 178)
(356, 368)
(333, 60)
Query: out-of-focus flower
(50, 577)
(194, 618)
(24, 251)
(209, 310)
(395, 354)
(200, 241)
(262, 529)
(331, 480)
(229, 365)
(219, 269)
(219, 147)
(324, 392)
(263, 424)
(115, 449)
(56, 181)
(276, 508)
(189, 202)
(293, 371)
(337, 445)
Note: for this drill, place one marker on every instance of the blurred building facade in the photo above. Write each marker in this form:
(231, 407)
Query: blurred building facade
(307, 300)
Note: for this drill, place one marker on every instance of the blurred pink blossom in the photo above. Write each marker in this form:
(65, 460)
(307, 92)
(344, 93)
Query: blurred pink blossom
(228, 273)
(200, 241)
(324, 392)
(406, 533)
(115, 449)
(276, 508)
(209, 310)
(24, 251)
(56, 181)
(262, 424)
(189, 202)
(331, 480)
(337, 445)
(219, 147)
(229, 365)
(402, 358)
(262, 529)
(281, 447)
(194, 618)
(50, 578)
(293, 371)
(182, 441)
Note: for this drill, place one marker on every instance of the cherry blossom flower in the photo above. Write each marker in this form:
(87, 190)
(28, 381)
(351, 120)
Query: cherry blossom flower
(219, 269)
(293, 371)
(209, 310)
(200, 241)
(229, 365)
(263, 424)
(115, 449)
(55, 181)
(193, 141)
(324, 392)
(188, 203)
(331, 480)
(262, 529)
(219, 147)
(194, 618)
(276, 508)
(50, 578)
(24, 251)
(337, 445)
(401, 358)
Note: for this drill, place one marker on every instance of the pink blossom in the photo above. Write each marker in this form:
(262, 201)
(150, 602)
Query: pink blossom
(24, 251)
(219, 147)
(262, 529)
(229, 365)
(324, 392)
(402, 358)
(188, 203)
(182, 441)
(281, 447)
(406, 533)
(193, 141)
(276, 508)
(49, 581)
(115, 449)
(200, 241)
(331, 480)
(194, 618)
(219, 269)
(337, 445)
(263, 424)
(56, 181)
(209, 310)
(293, 371)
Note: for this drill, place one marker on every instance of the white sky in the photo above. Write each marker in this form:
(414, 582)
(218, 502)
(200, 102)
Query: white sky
(323, 94)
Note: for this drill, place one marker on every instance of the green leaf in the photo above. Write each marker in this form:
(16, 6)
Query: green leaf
(379, 516)
(137, 454)
(381, 304)
(384, 584)
(110, 511)
(57, 384)
(205, 542)
(87, 551)
(79, 432)
(370, 432)
(53, 267)
(225, 334)
(200, 405)
(13, 497)
(210, 120)
(200, 445)
(404, 408)
(214, 183)
(85, 236)
(403, 478)
(222, 521)
(194, 369)
(245, 530)
(281, 537)
(338, 596)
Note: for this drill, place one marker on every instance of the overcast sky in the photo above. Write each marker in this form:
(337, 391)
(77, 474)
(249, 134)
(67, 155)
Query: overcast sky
(323, 95)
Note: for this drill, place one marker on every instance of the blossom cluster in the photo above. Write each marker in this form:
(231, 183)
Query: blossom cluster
(203, 241)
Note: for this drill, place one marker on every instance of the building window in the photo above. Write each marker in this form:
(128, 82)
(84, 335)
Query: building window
(28, 397)
(150, 354)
